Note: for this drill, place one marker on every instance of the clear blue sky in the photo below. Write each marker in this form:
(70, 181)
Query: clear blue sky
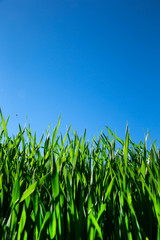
(97, 62)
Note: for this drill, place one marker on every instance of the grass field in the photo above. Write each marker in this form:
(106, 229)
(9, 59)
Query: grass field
(68, 190)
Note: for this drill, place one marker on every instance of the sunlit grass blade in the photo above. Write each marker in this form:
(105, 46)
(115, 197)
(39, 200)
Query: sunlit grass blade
(32, 187)
(22, 223)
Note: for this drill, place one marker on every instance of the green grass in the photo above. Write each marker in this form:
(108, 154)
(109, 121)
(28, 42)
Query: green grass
(67, 190)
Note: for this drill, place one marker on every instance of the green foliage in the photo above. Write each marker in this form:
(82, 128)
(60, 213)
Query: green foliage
(65, 190)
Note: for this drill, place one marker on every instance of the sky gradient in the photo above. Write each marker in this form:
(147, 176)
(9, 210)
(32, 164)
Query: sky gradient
(95, 62)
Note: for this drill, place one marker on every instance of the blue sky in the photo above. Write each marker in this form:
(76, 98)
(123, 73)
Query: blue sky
(97, 62)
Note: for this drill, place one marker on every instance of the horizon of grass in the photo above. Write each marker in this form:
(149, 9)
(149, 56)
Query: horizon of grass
(66, 190)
